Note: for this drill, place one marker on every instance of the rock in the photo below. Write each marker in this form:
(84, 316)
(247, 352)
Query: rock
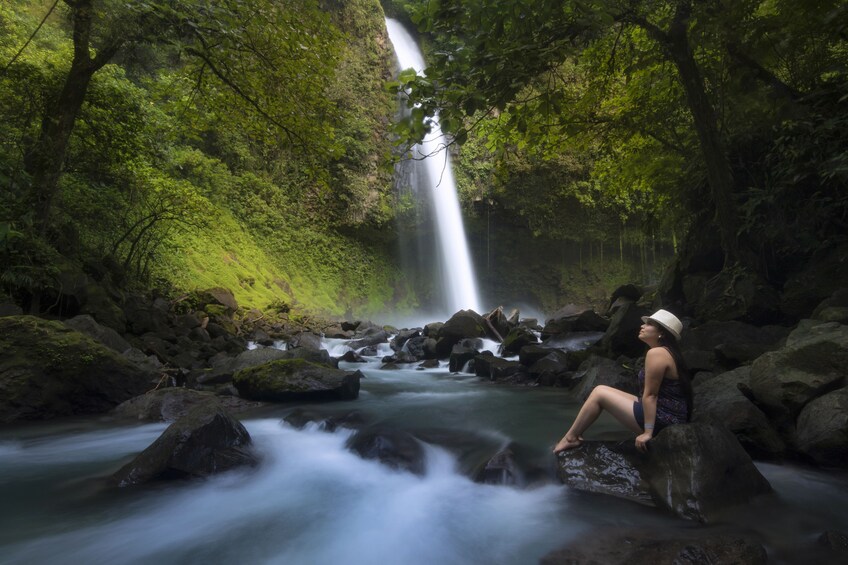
(429, 364)
(432, 329)
(553, 370)
(369, 351)
(96, 302)
(598, 370)
(497, 369)
(720, 400)
(834, 308)
(733, 295)
(401, 357)
(822, 429)
(350, 326)
(301, 417)
(812, 363)
(208, 440)
(529, 354)
(499, 322)
(169, 404)
(836, 541)
(402, 337)
(352, 357)
(500, 470)
(721, 346)
(224, 371)
(464, 324)
(306, 340)
(622, 335)
(698, 470)
(462, 353)
(395, 448)
(48, 370)
(604, 468)
(822, 276)
(217, 296)
(296, 379)
(629, 291)
(143, 317)
(516, 339)
(105, 335)
(148, 363)
(374, 338)
(649, 547)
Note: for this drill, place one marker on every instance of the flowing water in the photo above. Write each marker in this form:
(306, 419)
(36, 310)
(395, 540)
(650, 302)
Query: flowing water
(433, 179)
(312, 501)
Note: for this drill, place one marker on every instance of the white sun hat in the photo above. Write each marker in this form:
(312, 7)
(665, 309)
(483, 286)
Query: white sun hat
(668, 321)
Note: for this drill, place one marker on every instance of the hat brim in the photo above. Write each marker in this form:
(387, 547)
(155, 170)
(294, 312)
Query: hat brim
(671, 331)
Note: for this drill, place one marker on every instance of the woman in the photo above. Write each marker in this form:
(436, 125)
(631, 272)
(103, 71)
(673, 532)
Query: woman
(666, 396)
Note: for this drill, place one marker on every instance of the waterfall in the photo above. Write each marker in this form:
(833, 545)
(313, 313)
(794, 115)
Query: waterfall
(457, 288)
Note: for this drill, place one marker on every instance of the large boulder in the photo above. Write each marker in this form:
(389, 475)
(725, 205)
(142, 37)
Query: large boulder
(516, 339)
(622, 335)
(402, 337)
(834, 308)
(721, 400)
(464, 324)
(720, 346)
(498, 321)
(498, 369)
(216, 297)
(395, 448)
(462, 353)
(822, 429)
(48, 369)
(598, 370)
(696, 471)
(699, 470)
(206, 441)
(822, 276)
(104, 334)
(650, 547)
(374, 336)
(811, 364)
(296, 379)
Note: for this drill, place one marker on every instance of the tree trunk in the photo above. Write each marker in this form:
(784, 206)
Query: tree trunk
(675, 42)
(45, 159)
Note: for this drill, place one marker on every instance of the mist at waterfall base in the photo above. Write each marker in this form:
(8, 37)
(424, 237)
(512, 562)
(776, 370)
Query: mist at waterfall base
(435, 249)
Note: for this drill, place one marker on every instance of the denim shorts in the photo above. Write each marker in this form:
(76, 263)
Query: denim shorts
(639, 414)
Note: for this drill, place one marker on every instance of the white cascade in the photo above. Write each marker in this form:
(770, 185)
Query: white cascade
(458, 282)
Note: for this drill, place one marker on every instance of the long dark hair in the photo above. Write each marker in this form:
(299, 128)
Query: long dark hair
(683, 373)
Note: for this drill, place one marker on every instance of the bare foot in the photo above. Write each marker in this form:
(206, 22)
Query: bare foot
(565, 444)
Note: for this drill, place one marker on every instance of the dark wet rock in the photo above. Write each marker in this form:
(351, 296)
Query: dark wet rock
(516, 339)
(720, 346)
(732, 295)
(818, 281)
(261, 337)
(352, 357)
(811, 364)
(147, 363)
(208, 440)
(415, 346)
(216, 330)
(402, 337)
(498, 369)
(301, 417)
(429, 364)
(169, 404)
(553, 370)
(401, 357)
(224, 370)
(350, 326)
(629, 291)
(604, 468)
(371, 339)
(598, 370)
(722, 401)
(835, 540)
(499, 322)
(622, 335)
(296, 379)
(199, 334)
(306, 340)
(530, 324)
(696, 471)
(650, 547)
(395, 448)
(501, 469)
(48, 370)
(369, 351)
(834, 308)
(464, 324)
(463, 352)
(104, 334)
(529, 354)
(319, 356)
(822, 429)
(432, 329)
(143, 317)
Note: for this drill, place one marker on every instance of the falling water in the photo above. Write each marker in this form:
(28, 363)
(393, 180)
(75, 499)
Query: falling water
(459, 289)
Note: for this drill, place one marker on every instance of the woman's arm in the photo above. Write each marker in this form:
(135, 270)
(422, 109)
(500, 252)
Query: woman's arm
(656, 363)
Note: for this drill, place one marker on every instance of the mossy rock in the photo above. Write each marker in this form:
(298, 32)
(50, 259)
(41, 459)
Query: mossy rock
(296, 379)
(48, 370)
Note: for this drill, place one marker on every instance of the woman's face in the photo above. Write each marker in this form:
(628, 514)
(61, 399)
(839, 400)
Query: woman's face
(650, 332)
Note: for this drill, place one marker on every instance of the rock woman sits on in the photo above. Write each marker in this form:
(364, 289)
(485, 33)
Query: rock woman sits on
(666, 391)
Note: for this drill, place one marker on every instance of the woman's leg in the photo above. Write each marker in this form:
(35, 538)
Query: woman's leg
(616, 402)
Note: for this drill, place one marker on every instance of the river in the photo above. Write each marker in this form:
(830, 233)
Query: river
(312, 501)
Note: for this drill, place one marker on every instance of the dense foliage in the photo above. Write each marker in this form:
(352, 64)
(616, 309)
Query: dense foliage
(198, 143)
(720, 115)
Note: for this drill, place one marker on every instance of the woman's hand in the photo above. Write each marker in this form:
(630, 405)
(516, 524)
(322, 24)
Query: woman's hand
(642, 441)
